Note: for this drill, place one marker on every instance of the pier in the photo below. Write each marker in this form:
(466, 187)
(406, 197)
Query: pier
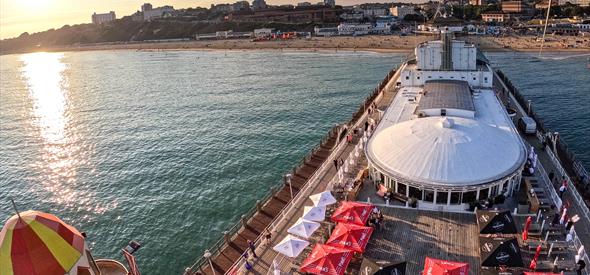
(316, 173)
(284, 202)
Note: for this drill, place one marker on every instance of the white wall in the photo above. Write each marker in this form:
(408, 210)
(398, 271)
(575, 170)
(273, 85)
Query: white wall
(450, 112)
(429, 56)
(474, 78)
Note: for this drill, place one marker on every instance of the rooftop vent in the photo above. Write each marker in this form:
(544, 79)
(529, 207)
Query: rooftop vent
(447, 123)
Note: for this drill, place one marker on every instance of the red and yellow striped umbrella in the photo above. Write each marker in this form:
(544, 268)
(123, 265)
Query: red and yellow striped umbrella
(38, 243)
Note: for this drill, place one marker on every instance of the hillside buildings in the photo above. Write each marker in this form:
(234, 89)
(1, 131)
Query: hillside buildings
(495, 16)
(100, 18)
(402, 11)
(330, 3)
(478, 2)
(259, 5)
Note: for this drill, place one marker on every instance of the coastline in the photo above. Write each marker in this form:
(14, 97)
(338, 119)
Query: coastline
(370, 43)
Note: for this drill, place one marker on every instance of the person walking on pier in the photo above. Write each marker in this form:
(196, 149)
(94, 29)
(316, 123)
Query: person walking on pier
(267, 236)
(335, 163)
(563, 188)
(252, 248)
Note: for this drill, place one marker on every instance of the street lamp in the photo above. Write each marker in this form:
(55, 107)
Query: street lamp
(288, 181)
(207, 256)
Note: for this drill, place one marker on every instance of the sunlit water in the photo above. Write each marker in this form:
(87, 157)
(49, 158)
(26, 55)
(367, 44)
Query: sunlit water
(170, 148)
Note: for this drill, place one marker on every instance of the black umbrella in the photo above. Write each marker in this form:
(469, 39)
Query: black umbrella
(373, 267)
(496, 222)
(500, 252)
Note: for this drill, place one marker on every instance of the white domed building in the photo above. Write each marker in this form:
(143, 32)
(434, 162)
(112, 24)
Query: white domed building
(446, 140)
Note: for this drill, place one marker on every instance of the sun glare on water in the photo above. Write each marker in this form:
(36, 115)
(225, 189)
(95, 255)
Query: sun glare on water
(46, 79)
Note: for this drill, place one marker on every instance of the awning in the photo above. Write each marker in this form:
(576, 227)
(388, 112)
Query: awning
(353, 212)
(314, 213)
(291, 246)
(350, 236)
(323, 199)
(495, 222)
(500, 252)
(39, 243)
(442, 267)
(303, 228)
(373, 267)
(328, 260)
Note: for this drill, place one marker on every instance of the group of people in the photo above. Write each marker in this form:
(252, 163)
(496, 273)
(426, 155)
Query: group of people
(531, 164)
(251, 250)
(376, 218)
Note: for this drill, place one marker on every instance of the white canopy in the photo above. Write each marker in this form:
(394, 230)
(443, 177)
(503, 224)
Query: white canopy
(291, 246)
(314, 213)
(322, 199)
(446, 151)
(303, 228)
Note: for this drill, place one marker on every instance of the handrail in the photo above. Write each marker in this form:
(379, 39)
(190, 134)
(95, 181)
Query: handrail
(250, 213)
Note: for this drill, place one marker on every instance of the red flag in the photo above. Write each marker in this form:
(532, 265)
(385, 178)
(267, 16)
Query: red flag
(533, 264)
(525, 233)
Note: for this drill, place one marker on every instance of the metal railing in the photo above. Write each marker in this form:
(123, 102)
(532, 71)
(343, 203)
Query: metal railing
(520, 100)
(354, 121)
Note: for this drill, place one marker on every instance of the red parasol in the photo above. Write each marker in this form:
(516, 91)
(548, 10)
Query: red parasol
(525, 232)
(350, 236)
(328, 260)
(533, 264)
(353, 212)
(442, 267)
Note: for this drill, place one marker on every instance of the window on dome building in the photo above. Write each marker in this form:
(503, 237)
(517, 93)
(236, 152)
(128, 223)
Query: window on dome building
(442, 197)
(469, 196)
(415, 193)
(428, 195)
(401, 188)
(456, 197)
(483, 193)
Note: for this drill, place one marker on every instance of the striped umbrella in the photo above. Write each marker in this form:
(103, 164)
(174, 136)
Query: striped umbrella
(38, 243)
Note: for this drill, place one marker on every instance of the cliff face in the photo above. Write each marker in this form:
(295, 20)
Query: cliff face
(125, 29)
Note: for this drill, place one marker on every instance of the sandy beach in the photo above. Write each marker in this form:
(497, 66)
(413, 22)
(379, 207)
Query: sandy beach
(375, 43)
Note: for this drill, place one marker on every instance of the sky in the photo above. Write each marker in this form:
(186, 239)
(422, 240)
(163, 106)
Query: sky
(18, 16)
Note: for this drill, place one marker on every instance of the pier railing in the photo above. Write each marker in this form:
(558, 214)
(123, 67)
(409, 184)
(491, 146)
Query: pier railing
(564, 156)
(296, 200)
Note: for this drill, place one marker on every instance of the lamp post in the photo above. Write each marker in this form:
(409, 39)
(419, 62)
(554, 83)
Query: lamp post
(207, 256)
(288, 181)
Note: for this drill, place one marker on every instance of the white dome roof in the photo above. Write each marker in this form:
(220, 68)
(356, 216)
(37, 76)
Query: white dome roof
(446, 151)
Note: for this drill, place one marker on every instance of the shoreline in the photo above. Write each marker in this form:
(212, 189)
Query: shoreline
(371, 43)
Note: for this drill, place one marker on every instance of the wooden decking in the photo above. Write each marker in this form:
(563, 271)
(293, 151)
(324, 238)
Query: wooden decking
(411, 235)
(255, 226)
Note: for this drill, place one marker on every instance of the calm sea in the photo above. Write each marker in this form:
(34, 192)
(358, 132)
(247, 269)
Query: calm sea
(170, 148)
